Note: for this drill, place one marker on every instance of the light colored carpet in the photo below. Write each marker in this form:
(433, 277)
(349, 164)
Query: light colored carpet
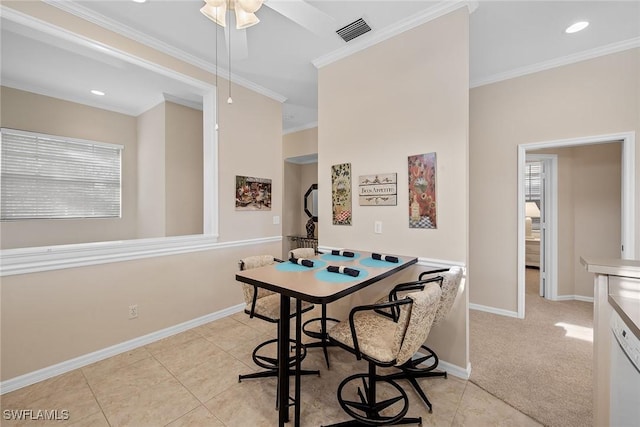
(537, 364)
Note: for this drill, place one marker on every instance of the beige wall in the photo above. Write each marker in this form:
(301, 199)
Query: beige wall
(37, 113)
(161, 169)
(589, 214)
(51, 317)
(250, 144)
(300, 143)
(291, 205)
(55, 316)
(151, 172)
(596, 198)
(183, 170)
(170, 171)
(404, 96)
(298, 178)
(594, 97)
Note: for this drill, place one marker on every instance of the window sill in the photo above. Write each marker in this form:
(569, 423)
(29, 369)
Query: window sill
(45, 258)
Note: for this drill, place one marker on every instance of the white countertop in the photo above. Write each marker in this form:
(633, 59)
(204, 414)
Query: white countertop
(613, 267)
(625, 302)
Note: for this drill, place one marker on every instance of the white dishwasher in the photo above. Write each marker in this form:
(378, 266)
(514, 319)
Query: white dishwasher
(625, 375)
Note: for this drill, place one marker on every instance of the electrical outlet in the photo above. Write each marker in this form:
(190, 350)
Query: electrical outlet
(133, 311)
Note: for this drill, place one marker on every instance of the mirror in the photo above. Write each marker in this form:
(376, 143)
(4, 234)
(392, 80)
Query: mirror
(74, 65)
(311, 202)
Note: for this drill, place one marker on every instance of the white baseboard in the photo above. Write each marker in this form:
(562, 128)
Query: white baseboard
(87, 359)
(455, 370)
(493, 310)
(450, 368)
(573, 298)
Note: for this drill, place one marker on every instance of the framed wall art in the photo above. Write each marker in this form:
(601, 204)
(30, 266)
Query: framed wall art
(341, 193)
(422, 191)
(378, 190)
(253, 194)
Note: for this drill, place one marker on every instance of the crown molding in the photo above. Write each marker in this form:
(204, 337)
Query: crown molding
(65, 97)
(182, 101)
(126, 31)
(306, 159)
(559, 62)
(300, 128)
(438, 10)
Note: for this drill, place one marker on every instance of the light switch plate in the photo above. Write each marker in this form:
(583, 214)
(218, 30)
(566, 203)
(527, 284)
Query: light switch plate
(377, 227)
(276, 220)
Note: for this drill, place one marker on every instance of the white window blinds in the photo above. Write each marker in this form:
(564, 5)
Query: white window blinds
(533, 181)
(46, 176)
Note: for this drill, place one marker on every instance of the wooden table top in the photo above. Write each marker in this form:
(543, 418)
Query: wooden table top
(316, 284)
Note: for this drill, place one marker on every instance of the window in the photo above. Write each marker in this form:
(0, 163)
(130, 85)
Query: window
(533, 188)
(46, 177)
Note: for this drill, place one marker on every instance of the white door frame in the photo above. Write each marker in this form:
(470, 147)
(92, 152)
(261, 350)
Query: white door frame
(628, 185)
(549, 240)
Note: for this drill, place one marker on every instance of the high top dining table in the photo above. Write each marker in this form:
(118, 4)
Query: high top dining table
(316, 285)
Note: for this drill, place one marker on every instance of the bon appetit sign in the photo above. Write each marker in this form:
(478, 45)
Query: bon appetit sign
(378, 190)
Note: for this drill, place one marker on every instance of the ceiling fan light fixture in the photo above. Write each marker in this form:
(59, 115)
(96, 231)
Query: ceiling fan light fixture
(216, 3)
(217, 13)
(249, 6)
(245, 19)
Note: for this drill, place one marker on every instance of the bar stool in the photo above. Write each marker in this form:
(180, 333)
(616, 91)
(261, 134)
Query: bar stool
(384, 341)
(414, 368)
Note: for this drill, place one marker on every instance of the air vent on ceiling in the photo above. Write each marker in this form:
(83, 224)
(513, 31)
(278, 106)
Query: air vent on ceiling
(353, 30)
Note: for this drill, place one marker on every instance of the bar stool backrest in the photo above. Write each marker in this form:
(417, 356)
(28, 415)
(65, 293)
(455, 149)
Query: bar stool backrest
(255, 262)
(450, 285)
(302, 253)
(422, 312)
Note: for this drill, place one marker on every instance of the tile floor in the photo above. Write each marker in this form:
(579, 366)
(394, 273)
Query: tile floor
(191, 379)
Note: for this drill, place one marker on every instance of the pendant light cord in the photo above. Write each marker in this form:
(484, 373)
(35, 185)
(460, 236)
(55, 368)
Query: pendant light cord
(229, 23)
(216, 28)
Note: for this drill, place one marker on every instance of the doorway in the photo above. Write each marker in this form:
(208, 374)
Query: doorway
(300, 176)
(541, 214)
(626, 202)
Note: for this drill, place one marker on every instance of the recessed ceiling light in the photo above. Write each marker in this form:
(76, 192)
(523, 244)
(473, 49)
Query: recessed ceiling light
(97, 92)
(578, 26)
(140, 1)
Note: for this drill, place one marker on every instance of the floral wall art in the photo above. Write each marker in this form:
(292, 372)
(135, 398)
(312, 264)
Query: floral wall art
(341, 193)
(422, 191)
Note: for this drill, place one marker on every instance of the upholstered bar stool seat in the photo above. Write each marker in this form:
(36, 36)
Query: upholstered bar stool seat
(383, 341)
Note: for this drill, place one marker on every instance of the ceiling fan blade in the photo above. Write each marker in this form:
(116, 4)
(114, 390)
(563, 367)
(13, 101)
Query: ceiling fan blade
(238, 39)
(305, 15)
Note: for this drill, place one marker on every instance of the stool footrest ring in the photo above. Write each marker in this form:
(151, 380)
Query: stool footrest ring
(317, 334)
(268, 362)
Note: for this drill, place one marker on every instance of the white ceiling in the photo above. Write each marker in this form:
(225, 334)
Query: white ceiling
(507, 38)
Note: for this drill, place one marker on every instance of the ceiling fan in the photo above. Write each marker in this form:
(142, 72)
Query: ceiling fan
(298, 11)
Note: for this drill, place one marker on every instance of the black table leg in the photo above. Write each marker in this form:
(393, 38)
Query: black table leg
(283, 360)
(298, 367)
